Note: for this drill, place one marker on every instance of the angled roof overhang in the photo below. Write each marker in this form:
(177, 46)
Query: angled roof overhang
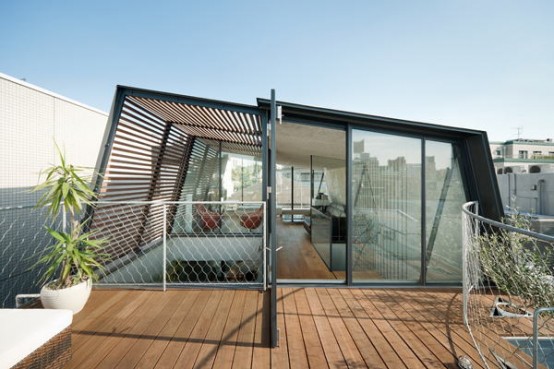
(473, 144)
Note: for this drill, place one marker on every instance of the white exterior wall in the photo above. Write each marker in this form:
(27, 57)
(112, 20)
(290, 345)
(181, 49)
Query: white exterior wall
(532, 193)
(497, 146)
(31, 120)
(544, 149)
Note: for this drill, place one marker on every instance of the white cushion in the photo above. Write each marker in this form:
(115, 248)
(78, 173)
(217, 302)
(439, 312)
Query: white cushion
(22, 331)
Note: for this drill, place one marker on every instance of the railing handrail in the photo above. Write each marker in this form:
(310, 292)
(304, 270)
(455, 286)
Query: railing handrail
(155, 202)
(540, 236)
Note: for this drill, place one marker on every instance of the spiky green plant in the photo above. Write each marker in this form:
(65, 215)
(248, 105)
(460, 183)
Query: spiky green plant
(75, 254)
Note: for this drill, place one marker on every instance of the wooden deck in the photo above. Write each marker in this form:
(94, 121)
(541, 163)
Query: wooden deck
(319, 328)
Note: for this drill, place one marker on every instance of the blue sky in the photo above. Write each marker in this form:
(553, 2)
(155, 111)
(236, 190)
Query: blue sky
(479, 64)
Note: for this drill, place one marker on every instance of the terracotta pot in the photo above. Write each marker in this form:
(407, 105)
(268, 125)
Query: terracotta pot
(73, 298)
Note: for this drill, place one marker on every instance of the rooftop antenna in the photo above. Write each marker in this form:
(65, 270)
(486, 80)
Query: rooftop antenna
(519, 130)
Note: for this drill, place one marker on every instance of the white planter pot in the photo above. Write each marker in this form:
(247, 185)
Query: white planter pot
(502, 311)
(72, 298)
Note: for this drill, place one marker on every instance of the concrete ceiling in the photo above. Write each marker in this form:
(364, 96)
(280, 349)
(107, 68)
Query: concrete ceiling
(296, 142)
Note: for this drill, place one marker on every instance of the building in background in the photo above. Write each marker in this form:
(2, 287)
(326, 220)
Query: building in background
(523, 156)
(32, 121)
(525, 173)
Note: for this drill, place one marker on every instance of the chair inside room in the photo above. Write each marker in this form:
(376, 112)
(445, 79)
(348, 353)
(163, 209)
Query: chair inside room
(209, 220)
(252, 220)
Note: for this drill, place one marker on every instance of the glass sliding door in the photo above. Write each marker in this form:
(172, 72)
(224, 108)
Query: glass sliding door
(444, 196)
(386, 207)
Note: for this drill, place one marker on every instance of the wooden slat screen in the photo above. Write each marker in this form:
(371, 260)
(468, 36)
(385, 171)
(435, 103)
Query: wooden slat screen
(165, 150)
(145, 164)
(201, 179)
(199, 121)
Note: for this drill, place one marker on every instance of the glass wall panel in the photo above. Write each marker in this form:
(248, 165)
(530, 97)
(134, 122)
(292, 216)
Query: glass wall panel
(328, 212)
(242, 177)
(301, 188)
(293, 192)
(386, 207)
(283, 179)
(444, 195)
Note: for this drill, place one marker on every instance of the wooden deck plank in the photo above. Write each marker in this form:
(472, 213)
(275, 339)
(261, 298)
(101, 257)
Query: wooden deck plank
(387, 328)
(194, 343)
(280, 354)
(446, 327)
(209, 348)
(489, 337)
(182, 335)
(295, 341)
(415, 338)
(319, 328)
(100, 313)
(361, 340)
(352, 356)
(159, 330)
(426, 346)
(226, 351)
(245, 340)
(261, 356)
(157, 348)
(312, 343)
(149, 325)
(329, 343)
(129, 318)
(366, 319)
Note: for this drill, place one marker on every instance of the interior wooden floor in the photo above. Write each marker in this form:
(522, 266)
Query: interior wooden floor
(298, 259)
(319, 328)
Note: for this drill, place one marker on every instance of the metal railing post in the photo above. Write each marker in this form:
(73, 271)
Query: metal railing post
(536, 315)
(164, 247)
(264, 245)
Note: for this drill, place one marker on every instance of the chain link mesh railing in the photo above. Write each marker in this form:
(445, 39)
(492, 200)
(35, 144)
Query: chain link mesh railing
(173, 244)
(23, 238)
(508, 291)
(156, 244)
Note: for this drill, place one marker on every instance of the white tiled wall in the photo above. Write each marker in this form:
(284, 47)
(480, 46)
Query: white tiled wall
(31, 120)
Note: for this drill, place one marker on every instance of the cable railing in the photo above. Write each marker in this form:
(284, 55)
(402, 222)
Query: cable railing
(508, 290)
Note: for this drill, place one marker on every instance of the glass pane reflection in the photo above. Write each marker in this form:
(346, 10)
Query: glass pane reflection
(445, 195)
(386, 213)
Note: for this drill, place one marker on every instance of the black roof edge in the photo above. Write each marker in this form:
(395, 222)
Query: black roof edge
(338, 115)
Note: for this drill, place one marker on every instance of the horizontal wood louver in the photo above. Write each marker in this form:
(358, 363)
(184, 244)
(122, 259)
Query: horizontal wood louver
(145, 164)
(165, 149)
(206, 122)
(235, 148)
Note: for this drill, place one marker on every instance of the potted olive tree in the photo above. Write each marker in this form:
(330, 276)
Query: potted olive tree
(75, 255)
(520, 267)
